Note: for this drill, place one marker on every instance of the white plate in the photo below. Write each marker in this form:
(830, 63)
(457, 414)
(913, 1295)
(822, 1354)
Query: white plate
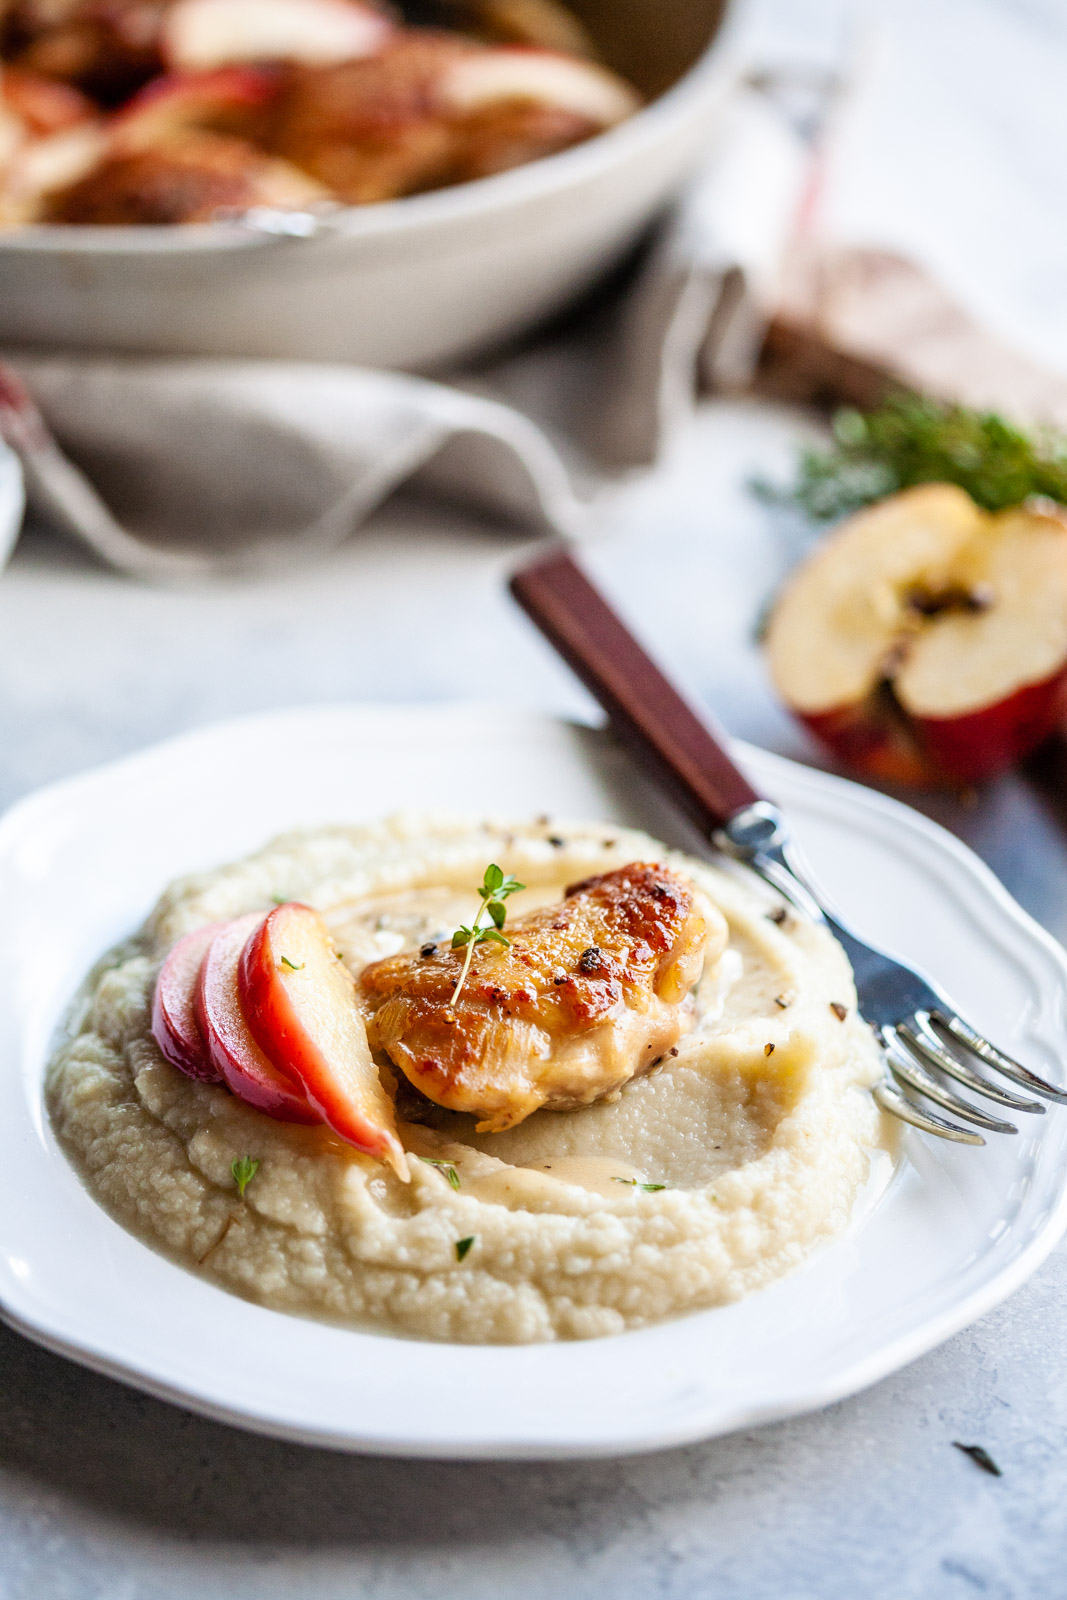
(956, 1230)
(12, 501)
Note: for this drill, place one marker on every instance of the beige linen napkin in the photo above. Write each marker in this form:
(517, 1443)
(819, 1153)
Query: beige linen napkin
(172, 469)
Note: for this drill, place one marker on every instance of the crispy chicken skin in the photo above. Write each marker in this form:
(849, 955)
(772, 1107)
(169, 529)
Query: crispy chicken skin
(195, 179)
(591, 992)
(374, 129)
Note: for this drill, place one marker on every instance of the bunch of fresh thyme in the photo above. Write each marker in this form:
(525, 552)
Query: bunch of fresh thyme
(910, 440)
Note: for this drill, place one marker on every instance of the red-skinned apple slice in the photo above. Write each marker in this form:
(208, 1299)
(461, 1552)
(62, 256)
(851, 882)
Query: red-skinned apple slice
(229, 100)
(233, 1050)
(198, 34)
(925, 641)
(44, 105)
(301, 1006)
(175, 1027)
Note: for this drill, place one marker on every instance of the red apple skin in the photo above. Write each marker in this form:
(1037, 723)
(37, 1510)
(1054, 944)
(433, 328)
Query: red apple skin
(971, 748)
(226, 100)
(872, 743)
(347, 1093)
(232, 1048)
(890, 745)
(175, 1026)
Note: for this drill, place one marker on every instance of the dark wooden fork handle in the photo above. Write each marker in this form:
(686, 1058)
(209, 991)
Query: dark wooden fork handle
(646, 711)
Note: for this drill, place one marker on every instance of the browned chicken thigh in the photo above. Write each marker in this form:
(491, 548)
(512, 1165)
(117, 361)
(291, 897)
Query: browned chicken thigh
(591, 992)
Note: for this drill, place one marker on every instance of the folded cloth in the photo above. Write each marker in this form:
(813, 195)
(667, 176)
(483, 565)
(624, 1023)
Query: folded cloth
(853, 323)
(177, 469)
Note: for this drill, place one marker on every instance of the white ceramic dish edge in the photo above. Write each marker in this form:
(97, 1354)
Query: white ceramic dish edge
(413, 283)
(18, 827)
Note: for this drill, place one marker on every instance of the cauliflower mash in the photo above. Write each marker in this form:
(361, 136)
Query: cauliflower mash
(712, 1175)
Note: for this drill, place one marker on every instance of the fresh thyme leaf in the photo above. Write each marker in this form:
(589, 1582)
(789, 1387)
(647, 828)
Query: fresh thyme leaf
(244, 1169)
(980, 1456)
(635, 1183)
(463, 1246)
(292, 965)
(447, 1167)
(496, 887)
(909, 440)
(279, 900)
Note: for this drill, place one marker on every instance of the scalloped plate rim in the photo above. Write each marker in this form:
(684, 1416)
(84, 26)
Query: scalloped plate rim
(824, 790)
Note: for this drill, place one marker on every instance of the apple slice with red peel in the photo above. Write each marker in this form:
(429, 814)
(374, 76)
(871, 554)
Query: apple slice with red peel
(198, 34)
(300, 1002)
(175, 1027)
(518, 73)
(233, 1050)
(925, 640)
(43, 105)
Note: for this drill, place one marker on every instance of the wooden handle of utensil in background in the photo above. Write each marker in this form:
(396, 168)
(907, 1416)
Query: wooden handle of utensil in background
(646, 711)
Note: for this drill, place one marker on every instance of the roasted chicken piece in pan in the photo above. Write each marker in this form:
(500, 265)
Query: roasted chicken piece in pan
(197, 178)
(432, 108)
(591, 992)
(370, 129)
(50, 135)
(107, 47)
(186, 150)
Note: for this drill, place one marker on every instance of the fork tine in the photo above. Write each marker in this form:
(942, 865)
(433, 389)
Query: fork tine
(909, 1069)
(920, 1036)
(973, 1040)
(890, 1099)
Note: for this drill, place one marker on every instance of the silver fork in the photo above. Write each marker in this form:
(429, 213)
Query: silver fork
(915, 1024)
(924, 1040)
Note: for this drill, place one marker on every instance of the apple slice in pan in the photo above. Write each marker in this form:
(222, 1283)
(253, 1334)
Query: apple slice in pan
(175, 1027)
(198, 34)
(232, 100)
(233, 1050)
(301, 1006)
(490, 77)
(925, 641)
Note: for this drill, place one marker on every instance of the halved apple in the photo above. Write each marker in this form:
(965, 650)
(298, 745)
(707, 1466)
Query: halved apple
(233, 1050)
(925, 641)
(300, 1002)
(199, 34)
(174, 1022)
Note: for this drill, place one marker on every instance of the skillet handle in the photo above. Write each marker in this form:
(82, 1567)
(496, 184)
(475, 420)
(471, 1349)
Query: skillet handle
(647, 712)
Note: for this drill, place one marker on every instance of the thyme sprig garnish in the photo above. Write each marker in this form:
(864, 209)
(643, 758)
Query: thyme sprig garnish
(910, 440)
(447, 1167)
(648, 1188)
(244, 1169)
(495, 889)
